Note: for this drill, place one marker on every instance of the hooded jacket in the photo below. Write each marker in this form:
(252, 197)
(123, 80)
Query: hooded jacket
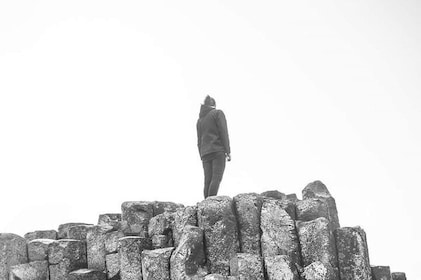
(212, 131)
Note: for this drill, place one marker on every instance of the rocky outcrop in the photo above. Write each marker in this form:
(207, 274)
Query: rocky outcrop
(13, 251)
(354, 263)
(217, 220)
(267, 236)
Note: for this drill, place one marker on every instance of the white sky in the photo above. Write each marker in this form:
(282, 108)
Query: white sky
(99, 101)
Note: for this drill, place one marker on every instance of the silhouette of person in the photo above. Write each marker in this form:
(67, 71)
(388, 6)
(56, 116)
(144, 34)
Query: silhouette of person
(213, 144)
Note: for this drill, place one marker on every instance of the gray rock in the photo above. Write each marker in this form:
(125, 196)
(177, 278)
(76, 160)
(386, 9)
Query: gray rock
(183, 217)
(188, 259)
(112, 262)
(136, 215)
(129, 250)
(398, 276)
(161, 224)
(111, 219)
(160, 207)
(353, 258)
(61, 270)
(248, 207)
(274, 194)
(317, 242)
(78, 232)
(279, 236)
(156, 264)
(161, 241)
(13, 251)
(87, 274)
(292, 197)
(311, 209)
(37, 270)
(111, 241)
(41, 234)
(317, 189)
(217, 220)
(95, 245)
(280, 267)
(67, 254)
(38, 249)
(381, 273)
(319, 271)
(247, 266)
(63, 229)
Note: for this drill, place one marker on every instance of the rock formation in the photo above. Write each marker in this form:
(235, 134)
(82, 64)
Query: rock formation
(269, 236)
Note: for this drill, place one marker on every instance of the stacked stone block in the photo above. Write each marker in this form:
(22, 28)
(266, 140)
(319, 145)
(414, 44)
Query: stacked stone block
(252, 236)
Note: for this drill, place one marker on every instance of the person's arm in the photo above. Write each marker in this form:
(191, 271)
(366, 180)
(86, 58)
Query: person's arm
(223, 133)
(199, 137)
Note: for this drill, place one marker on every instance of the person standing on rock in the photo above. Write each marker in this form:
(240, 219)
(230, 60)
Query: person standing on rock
(213, 144)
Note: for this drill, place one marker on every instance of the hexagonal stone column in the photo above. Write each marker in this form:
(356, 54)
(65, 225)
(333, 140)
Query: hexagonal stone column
(156, 264)
(317, 242)
(183, 217)
(13, 251)
(381, 273)
(64, 256)
(188, 259)
(279, 236)
(136, 215)
(398, 276)
(217, 220)
(319, 271)
(353, 259)
(95, 243)
(38, 249)
(41, 234)
(130, 249)
(248, 207)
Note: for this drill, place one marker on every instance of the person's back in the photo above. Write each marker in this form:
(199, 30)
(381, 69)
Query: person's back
(213, 144)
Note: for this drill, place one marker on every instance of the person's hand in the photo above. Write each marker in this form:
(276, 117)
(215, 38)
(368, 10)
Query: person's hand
(228, 157)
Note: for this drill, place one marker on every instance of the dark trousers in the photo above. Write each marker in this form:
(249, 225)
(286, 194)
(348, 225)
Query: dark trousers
(214, 170)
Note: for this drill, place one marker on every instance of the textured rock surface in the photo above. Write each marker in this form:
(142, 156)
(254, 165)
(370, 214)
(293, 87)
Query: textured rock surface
(311, 209)
(112, 262)
(63, 229)
(38, 249)
(41, 234)
(381, 273)
(160, 224)
(37, 270)
(87, 274)
(215, 277)
(188, 259)
(248, 207)
(95, 246)
(317, 242)
(156, 264)
(160, 207)
(78, 232)
(352, 251)
(280, 267)
(279, 236)
(111, 241)
(320, 271)
(111, 219)
(217, 220)
(274, 194)
(64, 256)
(136, 214)
(183, 217)
(317, 189)
(398, 276)
(161, 241)
(247, 266)
(129, 250)
(13, 251)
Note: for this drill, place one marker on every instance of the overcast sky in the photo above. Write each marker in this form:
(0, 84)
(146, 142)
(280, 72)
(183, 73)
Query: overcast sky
(99, 102)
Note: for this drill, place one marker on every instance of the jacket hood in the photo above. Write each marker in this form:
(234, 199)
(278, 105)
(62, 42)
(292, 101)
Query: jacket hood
(204, 110)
